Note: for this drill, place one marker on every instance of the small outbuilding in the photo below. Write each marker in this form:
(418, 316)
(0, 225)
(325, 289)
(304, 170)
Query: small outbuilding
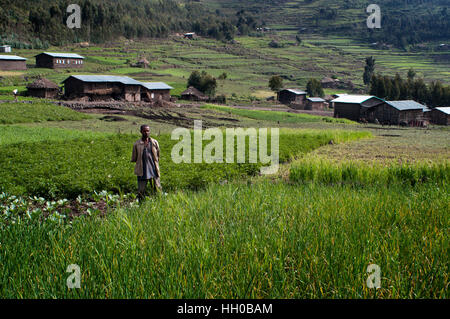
(189, 35)
(295, 96)
(53, 60)
(152, 91)
(100, 87)
(5, 49)
(315, 103)
(440, 115)
(12, 62)
(192, 94)
(351, 106)
(43, 88)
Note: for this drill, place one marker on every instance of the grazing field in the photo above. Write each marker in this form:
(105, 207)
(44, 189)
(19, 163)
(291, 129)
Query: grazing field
(11, 113)
(24, 134)
(259, 240)
(281, 117)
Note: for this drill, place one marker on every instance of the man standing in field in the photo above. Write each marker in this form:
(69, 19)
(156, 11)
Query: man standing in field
(146, 156)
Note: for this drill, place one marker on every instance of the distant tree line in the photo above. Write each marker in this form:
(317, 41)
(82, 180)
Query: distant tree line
(396, 88)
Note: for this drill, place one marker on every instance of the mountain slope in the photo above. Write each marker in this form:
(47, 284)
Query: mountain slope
(403, 21)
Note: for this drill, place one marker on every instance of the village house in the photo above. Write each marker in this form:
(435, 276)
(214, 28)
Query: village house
(294, 96)
(43, 88)
(12, 62)
(152, 91)
(350, 106)
(192, 94)
(103, 87)
(5, 49)
(440, 115)
(315, 103)
(59, 60)
(396, 113)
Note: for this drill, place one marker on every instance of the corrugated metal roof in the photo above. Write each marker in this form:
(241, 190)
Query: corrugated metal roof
(64, 55)
(295, 91)
(406, 105)
(316, 99)
(12, 57)
(156, 86)
(106, 78)
(445, 110)
(353, 98)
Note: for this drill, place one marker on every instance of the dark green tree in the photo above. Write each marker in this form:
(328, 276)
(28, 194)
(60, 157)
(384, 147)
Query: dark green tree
(195, 80)
(203, 82)
(411, 74)
(369, 69)
(314, 88)
(275, 83)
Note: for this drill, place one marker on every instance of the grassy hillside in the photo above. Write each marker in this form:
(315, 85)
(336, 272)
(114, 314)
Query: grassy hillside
(11, 113)
(249, 63)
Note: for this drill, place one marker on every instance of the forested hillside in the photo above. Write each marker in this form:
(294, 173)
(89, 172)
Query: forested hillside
(45, 20)
(404, 22)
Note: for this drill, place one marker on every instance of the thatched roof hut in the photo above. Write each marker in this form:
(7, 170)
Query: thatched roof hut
(328, 82)
(43, 88)
(43, 83)
(192, 94)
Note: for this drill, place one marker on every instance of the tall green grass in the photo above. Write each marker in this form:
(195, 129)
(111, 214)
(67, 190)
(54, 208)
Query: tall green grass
(263, 240)
(313, 169)
(11, 113)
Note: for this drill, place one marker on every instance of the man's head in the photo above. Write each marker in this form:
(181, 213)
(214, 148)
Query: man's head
(145, 131)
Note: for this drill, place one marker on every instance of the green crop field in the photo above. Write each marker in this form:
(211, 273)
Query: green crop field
(78, 164)
(220, 230)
